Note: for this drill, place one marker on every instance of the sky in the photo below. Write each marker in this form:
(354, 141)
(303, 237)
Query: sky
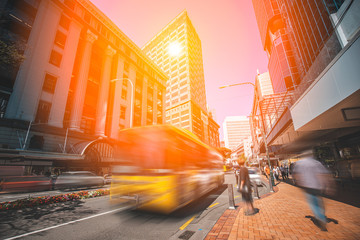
(231, 45)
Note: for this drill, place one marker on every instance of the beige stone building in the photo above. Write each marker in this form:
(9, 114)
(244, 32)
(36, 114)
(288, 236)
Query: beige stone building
(80, 76)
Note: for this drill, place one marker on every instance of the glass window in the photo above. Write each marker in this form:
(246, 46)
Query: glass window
(49, 83)
(122, 112)
(87, 17)
(70, 3)
(60, 39)
(123, 94)
(55, 58)
(64, 22)
(43, 112)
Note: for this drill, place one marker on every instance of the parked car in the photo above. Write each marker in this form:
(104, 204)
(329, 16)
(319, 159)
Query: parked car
(107, 178)
(76, 179)
(255, 175)
(25, 183)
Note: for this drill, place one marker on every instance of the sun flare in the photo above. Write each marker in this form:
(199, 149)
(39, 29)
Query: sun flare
(174, 49)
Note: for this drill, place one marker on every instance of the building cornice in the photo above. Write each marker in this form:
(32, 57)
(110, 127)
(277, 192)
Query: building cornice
(121, 35)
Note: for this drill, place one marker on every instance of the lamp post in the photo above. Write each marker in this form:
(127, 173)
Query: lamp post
(271, 179)
(131, 100)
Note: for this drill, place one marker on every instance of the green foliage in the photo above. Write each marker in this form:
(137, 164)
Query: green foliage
(10, 54)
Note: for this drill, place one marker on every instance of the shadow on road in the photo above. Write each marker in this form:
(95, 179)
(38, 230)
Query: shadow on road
(191, 209)
(27, 219)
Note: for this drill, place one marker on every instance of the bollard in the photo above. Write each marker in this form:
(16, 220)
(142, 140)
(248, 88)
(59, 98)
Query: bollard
(231, 197)
(256, 191)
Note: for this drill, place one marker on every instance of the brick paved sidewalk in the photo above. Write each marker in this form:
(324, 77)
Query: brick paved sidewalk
(282, 216)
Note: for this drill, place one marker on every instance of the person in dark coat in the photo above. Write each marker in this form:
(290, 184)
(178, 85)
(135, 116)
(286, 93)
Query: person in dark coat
(245, 189)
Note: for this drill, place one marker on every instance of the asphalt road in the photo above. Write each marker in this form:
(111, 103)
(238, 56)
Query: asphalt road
(97, 219)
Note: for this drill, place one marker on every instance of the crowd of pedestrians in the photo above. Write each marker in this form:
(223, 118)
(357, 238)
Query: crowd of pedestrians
(278, 172)
(308, 173)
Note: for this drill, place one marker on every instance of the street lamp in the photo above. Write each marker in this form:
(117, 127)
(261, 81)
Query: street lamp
(132, 97)
(237, 84)
(262, 129)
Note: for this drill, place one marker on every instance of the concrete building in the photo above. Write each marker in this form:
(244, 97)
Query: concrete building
(214, 137)
(177, 51)
(264, 85)
(64, 89)
(263, 92)
(236, 128)
(323, 109)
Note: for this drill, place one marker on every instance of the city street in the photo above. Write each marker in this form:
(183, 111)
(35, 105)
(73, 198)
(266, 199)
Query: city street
(97, 219)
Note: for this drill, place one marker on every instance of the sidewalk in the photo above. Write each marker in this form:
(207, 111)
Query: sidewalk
(282, 216)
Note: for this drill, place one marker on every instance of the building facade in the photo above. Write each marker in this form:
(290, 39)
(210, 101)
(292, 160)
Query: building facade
(263, 92)
(276, 37)
(323, 111)
(214, 137)
(177, 51)
(80, 78)
(236, 128)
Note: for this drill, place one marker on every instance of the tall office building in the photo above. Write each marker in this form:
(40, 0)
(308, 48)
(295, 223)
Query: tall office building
(276, 39)
(311, 28)
(236, 128)
(177, 51)
(263, 93)
(263, 84)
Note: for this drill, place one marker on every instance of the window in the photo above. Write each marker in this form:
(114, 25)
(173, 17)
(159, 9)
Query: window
(333, 5)
(87, 17)
(64, 22)
(60, 39)
(126, 67)
(4, 99)
(49, 83)
(125, 81)
(36, 142)
(55, 58)
(43, 112)
(87, 125)
(127, 51)
(123, 94)
(122, 112)
(70, 4)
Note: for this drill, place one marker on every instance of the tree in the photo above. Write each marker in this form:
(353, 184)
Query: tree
(10, 54)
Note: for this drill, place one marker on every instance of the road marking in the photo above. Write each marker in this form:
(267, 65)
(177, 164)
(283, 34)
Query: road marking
(187, 223)
(64, 224)
(213, 205)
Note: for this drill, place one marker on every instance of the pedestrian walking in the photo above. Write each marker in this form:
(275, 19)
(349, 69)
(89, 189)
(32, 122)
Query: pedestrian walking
(267, 171)
(282, 171)
(275, 174)
(245, 189)
(315, 179)
(286, 172)
(236, 172)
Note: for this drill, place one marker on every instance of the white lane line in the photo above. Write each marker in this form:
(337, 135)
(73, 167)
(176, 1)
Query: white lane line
(63, 224)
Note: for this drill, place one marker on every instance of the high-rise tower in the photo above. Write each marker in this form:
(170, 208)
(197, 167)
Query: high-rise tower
(177, 51)
(236, 128)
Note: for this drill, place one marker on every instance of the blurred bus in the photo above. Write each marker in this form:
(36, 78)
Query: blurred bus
(163, 168)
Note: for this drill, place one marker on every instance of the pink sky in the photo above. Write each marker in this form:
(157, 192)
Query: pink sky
(231, 46)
